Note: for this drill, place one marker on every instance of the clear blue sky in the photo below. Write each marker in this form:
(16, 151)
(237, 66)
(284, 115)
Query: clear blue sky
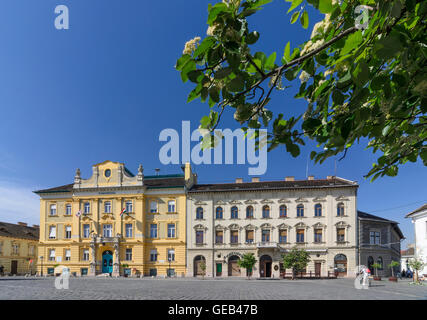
(105, 88)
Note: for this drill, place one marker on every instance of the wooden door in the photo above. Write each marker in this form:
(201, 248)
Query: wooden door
(317, 269)
(14, 267)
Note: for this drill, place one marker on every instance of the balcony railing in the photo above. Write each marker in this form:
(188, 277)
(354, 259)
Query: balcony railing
(267, 245)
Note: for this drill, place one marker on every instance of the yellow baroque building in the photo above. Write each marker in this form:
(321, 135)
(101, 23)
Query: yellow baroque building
(115, 222)
(18, 248)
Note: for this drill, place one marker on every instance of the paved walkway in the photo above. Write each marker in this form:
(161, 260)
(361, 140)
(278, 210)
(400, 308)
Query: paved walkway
(221, 289)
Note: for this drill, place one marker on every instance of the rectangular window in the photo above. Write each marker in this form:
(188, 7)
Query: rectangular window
(234, 236)
(83, 271)
(170, 272)
(128, 254)
(283, 236)
(199, 237)
(171, 230)
(219, 236)
(68, 232)
(86, 231)
(85, 255)
(300, 235)
(374, 237)
(30, 250)
(52, 255)
(67, 255)
(153, 206)
(171, 255)
(153, 272)
(153, 230)
(108, 230)
(171, 206)
(15, 249)
(86, 208)
(249, 236)
(107, 207)
(52, 232)
(265, 235)
(129, 206)
(153, 255)
(68, 210)
(317, 235)
(53, 209)
(340, 234)
(129, 230)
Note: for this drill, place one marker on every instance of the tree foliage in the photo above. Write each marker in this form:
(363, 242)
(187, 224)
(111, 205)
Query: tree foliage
(296, 259)
(358, 83)
(248, 261)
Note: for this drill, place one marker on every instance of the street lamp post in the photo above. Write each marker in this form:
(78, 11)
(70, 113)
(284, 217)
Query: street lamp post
(169, 271)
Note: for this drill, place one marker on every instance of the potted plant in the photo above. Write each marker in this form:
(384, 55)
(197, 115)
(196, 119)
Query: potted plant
(392, 265)
(416, 265)
(376, 266)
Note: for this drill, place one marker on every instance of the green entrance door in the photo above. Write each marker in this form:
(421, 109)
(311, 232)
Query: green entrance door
(219, 269)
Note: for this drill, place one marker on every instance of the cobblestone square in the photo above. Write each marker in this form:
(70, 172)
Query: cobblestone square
(13, 288)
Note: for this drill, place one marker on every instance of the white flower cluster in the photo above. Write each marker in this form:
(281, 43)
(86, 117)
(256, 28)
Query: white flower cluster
(228, 2)
(310, 46)
(304, 76)
(190, 45)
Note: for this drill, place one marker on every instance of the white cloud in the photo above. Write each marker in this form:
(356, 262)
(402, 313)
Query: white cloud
(18, 203)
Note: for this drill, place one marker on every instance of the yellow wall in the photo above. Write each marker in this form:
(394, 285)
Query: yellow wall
(141, 219)
(23, 256)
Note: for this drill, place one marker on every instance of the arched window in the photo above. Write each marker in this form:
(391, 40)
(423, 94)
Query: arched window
(199, 213)
(300, 210)
(380, 262)
(249, 212)
(234, 212)
(318, 210)
(218, 214)
(266, 212)
(340, 209)
(283, 211)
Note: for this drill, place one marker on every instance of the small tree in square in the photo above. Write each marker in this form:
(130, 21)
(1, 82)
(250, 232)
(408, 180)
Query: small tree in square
(417, 265)
(248, 261)
(203, 268)
(392, 265)
(296, 259)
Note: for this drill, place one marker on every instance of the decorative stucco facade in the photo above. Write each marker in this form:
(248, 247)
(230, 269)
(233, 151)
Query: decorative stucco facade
(419, 220)
(268, 218)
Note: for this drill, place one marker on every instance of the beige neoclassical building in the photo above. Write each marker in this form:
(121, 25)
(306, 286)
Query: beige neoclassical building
(268, 218)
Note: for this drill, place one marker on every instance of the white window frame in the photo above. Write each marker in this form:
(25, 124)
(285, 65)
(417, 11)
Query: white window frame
(107, 207)
(68, 210)
(67, 254)
(68, 232)
(52, 232)
(173, 231)
(128, 256)
(157, 231)
(129, 230)
(88, 230)
(107, 230)
(85, 255)
(171, 255)
(153, 206)
(171, 206)
(52, 211)
(129, 206)
(52, 255)
(86, 207)
(153, 254)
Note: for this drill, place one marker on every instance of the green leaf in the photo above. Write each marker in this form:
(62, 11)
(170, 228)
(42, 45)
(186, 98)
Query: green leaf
(214, 94)
(204, 46)
(294, 17)
(252, 37)
(304, 19)
(236, 85)
(215, 10)
(222, 73)
(325, 6)
(189, 66)
(269, 64)
(287, 53)
(182, 61)
(352, 42)
(295, 3)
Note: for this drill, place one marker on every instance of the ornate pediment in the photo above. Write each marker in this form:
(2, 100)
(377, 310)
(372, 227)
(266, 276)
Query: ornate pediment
(251, 227)
(319, 199)
(342, 224)
(220, 227)
(301, 200)
(220, 203)
(284, 201)
(267, 201)
(106, 217)
(266, 226)
(235, 202)
(342, 198)
(200, 203)
(301, 225)
(250, 202)
(234, 226)
(283, 226)
(200, 227)
(319, 225)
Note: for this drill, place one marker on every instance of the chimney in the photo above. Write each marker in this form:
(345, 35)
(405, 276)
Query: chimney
(255, 179)
(310, 178)
(290, 179)
(330, 177)
(239, 180)
(36, 226)
(22, 224)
